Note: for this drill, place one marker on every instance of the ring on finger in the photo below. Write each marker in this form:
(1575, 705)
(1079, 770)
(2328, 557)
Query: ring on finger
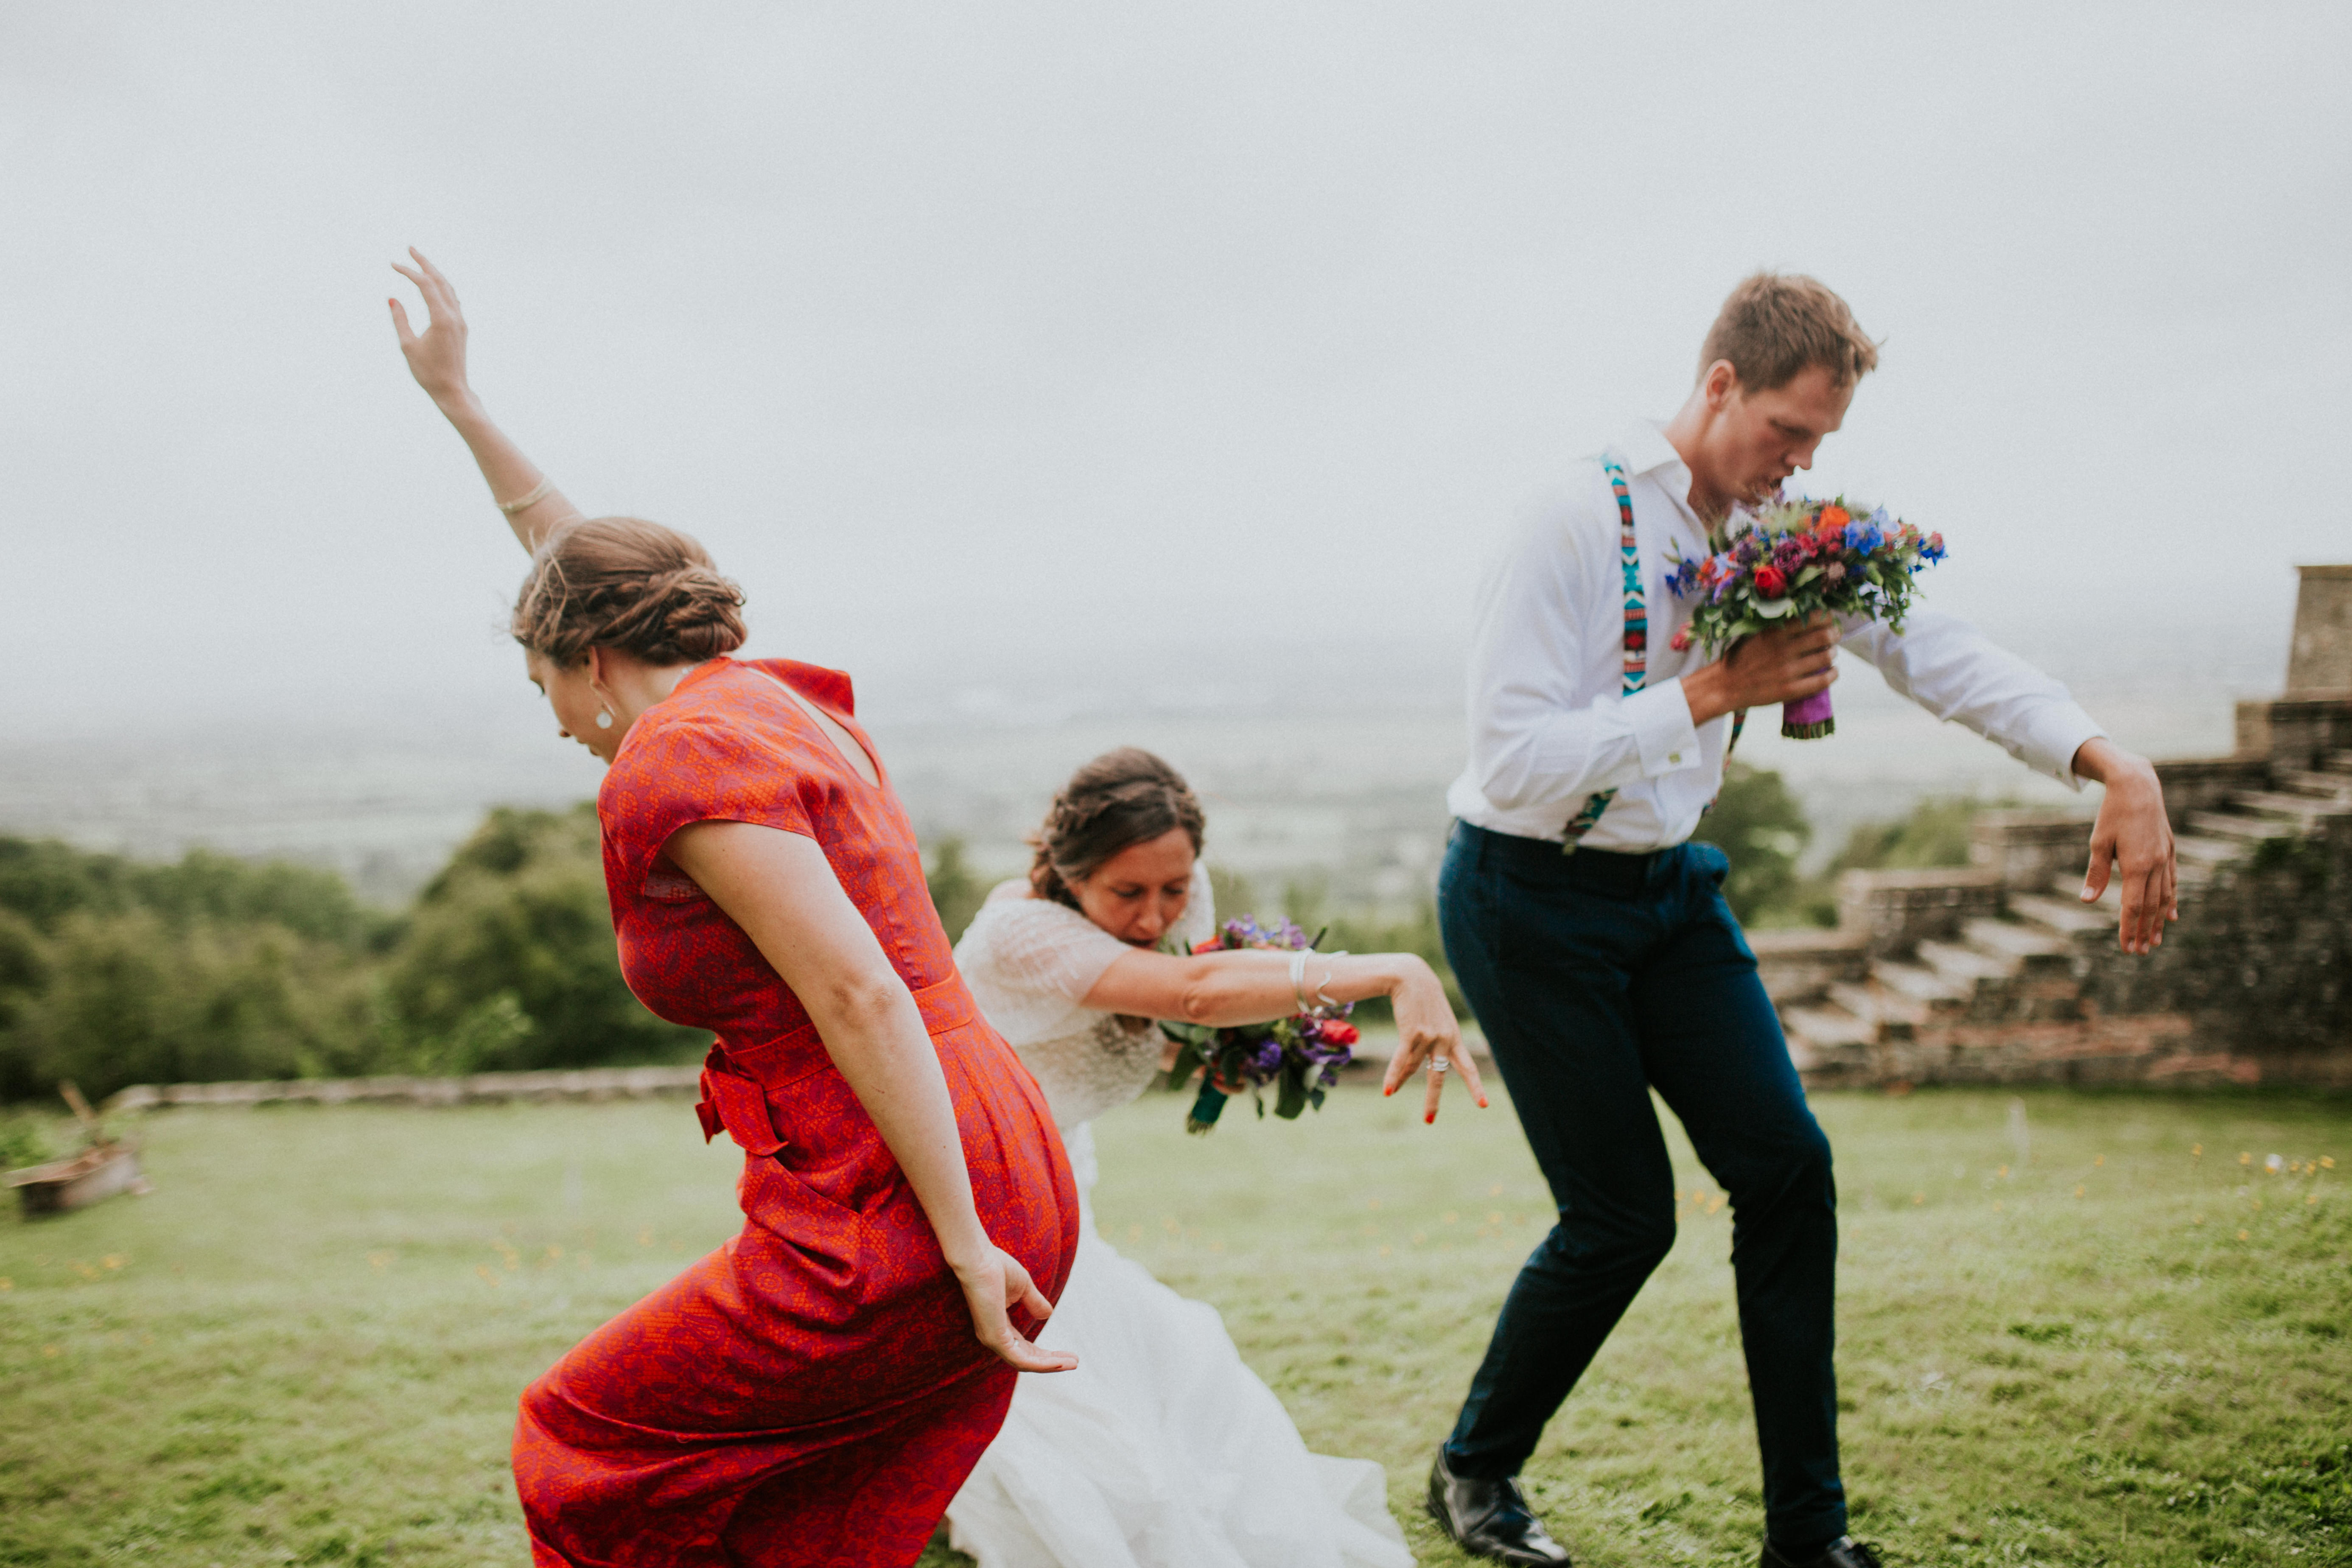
(1438, 1066)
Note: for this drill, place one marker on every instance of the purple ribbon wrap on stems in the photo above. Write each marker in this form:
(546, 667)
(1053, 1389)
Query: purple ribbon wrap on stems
(1808, 718)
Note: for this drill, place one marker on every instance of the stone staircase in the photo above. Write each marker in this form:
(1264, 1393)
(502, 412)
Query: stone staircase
(1978, 974)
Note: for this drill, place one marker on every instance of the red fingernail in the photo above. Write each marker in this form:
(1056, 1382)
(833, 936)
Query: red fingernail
(1431, 1119)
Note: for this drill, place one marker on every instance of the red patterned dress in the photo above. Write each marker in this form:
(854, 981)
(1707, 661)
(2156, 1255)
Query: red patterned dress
(811, 1393)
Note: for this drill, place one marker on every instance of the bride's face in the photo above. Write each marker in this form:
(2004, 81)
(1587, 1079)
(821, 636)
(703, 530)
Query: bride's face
(1140, 892)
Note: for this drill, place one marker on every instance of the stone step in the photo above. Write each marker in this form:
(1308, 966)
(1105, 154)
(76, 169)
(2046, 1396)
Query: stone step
(2252, 829)
(2011, 940)
(1890, 1013)
(2193, 850)
(2336, 788)
(2068, 917)
(2302, 807)
(1828, 1029)
(2066, 886)
(1965, 966)
(1917, 983)
(2338, 762)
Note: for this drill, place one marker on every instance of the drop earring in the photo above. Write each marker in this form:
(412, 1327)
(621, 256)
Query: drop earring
(604, 719)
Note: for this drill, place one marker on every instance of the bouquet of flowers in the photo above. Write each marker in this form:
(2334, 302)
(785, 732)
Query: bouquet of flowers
(1301, 1056)
(1802, 558)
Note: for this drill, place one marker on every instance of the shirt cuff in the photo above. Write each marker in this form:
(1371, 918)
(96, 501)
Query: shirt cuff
(2053, 736)
(1662, 730)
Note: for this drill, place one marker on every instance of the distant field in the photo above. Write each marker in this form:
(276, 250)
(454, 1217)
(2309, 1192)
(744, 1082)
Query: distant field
(2103, 1346)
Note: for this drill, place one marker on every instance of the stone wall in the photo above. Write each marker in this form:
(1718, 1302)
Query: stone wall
(2320, 657)
(2260, 964)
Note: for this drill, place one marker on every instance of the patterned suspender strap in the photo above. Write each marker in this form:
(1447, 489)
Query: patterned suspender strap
(1637, 635)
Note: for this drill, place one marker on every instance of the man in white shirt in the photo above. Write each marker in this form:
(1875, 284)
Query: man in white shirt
(1592, 939)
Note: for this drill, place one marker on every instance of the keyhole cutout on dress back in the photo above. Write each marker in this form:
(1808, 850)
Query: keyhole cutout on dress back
(851, 752)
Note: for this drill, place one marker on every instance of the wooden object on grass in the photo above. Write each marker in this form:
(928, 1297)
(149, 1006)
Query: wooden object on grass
(106, 1167)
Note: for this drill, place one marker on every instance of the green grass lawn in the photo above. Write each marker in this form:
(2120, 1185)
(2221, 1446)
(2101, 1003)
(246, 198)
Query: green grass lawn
(2111, 1348)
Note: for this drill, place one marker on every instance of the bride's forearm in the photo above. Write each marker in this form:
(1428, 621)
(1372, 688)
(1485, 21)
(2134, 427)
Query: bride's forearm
(510, 475)
(1251, 987)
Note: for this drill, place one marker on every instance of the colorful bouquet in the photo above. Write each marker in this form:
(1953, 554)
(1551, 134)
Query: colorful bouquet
(1802, 558)
(1301, 1054)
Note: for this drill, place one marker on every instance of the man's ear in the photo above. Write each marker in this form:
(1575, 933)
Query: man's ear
(1718, 382)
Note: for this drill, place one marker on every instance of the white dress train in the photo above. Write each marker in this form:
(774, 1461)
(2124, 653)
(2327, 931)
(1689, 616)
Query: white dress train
(1162, 1449)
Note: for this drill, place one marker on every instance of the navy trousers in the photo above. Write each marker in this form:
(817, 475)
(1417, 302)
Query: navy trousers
(1596, 978)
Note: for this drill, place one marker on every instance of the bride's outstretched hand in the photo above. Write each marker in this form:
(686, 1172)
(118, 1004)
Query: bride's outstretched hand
(1430, 1039)
(992, 1287)
(437, 356)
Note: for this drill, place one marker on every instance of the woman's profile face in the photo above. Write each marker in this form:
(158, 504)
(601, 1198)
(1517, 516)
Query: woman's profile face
(575, 702)
(1138, 894)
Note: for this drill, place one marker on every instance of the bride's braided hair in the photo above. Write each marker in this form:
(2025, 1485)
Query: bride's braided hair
(1121, 798)
(626, 583)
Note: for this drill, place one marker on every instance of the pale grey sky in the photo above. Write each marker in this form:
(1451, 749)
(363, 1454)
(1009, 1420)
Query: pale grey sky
(996, 347)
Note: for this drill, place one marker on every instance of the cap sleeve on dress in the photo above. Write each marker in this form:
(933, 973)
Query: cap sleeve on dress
(693, 770)
(1044, 948)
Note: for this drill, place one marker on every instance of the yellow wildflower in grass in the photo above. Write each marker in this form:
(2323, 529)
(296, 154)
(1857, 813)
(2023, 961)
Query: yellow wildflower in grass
(7, 1284)
(2244, 1234)
(2244, 1158)
(2307, 1197)
(115, 1260)
(1918, 1198)
(2100, 1161)
(488, 1278)
(2197, 1219)
(2078, 1190)
(2002, 1173)
(2327, 1161)
(2197, 1151)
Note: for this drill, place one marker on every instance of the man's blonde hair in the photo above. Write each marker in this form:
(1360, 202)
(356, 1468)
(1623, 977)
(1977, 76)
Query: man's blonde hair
(1775, 324)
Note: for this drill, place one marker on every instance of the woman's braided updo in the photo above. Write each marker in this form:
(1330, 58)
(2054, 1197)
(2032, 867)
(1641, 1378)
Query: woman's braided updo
(623, 583)
(1121, 798)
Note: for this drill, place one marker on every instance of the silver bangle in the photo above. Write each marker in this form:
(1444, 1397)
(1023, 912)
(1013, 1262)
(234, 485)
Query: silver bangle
(1323, 997)
(538, 494)
(1299, 976)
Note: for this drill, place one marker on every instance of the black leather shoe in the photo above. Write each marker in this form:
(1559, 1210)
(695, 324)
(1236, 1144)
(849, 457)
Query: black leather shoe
(1490, 1519)
(1845, 1551)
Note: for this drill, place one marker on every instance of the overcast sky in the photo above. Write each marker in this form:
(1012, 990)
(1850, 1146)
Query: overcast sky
(999, 346)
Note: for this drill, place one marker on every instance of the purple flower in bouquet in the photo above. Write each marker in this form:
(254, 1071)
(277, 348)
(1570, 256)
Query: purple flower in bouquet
(1300, 1056)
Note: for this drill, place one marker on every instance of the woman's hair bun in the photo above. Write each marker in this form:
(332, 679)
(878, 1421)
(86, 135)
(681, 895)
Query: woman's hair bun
(626, 583)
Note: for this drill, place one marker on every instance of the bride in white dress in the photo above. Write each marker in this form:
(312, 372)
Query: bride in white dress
(1162, 1449)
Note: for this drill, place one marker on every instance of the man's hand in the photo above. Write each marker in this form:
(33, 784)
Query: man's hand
(2133, 836)
(1780, 665)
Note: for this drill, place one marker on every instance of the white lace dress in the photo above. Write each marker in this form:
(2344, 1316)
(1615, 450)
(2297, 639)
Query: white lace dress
(1162, 1449)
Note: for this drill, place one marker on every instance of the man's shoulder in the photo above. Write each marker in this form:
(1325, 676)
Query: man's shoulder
(1574, 512)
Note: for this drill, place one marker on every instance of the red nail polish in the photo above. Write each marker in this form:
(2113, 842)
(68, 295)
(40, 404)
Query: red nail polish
(1430, 1120)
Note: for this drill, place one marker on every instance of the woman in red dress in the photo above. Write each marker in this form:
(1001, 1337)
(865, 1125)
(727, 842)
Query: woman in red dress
(816, 1390)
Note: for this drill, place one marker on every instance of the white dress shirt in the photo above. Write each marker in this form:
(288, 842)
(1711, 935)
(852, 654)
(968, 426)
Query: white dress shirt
(1550, 725)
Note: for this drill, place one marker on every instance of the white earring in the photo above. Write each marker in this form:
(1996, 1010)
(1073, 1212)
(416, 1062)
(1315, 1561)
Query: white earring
(604, 720)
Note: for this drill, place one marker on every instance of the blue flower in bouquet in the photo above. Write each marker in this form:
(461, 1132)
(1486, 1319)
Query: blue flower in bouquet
(1864, 537)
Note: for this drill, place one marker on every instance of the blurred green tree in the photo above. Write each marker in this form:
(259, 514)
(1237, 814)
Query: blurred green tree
(957, 891)
(510, 962)
(1761, 828)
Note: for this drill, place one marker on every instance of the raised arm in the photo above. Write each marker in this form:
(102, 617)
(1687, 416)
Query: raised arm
(781, 890)
(436, 357)
(1248, 986)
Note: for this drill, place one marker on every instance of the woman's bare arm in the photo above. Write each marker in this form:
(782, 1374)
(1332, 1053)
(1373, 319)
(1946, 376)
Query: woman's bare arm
(781, 890)
(1245, 986)
(436, 357)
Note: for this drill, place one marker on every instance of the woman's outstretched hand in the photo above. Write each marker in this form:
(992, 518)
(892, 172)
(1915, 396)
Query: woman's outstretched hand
(1428, 1034)
(437, 356)
(992, 1287)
